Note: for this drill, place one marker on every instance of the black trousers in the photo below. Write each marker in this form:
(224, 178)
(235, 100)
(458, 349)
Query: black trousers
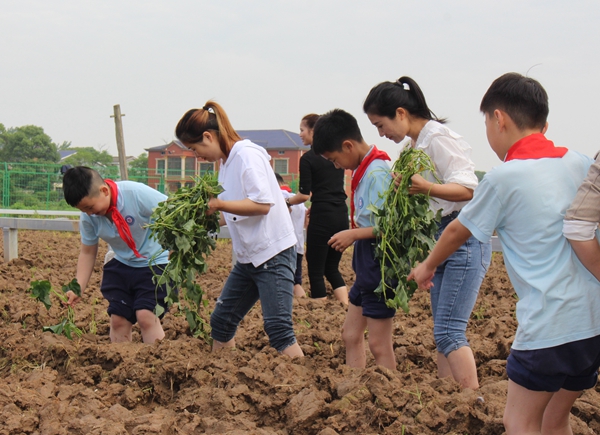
(326, 219)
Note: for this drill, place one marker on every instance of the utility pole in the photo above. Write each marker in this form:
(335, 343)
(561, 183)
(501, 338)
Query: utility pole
(120, 141)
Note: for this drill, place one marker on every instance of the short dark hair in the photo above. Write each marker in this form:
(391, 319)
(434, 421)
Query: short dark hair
(524, 99)
(332, 129)
(79, 182)
(279, 178)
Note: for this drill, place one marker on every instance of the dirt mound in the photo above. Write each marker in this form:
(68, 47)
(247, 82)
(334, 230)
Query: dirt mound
(51, 385)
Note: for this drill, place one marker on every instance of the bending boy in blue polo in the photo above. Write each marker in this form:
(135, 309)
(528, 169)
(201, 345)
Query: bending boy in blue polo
(118, 214)
(556, 351)
(337, 137)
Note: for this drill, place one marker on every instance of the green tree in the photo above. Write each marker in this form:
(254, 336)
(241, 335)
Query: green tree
(138, 169)
(2, 133)
(66, 145)
(88, 156)
(28, 143)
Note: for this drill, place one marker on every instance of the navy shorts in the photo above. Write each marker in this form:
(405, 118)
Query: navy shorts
(129, 289)
(373, 306)
(368, 276)
(571, 366)
(298, 272)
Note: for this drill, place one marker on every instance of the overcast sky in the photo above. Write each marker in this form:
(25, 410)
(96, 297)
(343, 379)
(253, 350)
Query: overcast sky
(64, 64)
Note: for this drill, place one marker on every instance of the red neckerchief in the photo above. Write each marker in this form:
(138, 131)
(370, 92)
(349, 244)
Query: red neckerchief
(534, 146)
(286, 188)
(118, 218)
(360, 172)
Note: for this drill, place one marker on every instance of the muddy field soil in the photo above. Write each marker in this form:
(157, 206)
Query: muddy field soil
(52, 385)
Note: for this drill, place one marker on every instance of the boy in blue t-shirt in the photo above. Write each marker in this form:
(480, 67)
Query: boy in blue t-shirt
(556, 351)
(337, 137)
(118, 213)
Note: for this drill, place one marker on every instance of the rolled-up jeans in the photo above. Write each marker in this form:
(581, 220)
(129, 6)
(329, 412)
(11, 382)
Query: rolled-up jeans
(455, 288)
(273, 284)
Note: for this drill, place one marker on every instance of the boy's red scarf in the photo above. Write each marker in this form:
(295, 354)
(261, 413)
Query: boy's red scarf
(360, 172)
(534, 146)
(118, 218)
(286, 189)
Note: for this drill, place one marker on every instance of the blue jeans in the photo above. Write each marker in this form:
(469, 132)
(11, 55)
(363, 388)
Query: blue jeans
(455, 287)
(273, 284)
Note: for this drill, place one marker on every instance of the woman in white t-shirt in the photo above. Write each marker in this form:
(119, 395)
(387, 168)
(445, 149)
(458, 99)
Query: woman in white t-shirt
(398, 109)
(262, 233)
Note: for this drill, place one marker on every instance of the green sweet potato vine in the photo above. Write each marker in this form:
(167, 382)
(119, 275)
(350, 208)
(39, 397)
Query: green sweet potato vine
(405, 228)
(181, 226)
(40, 291)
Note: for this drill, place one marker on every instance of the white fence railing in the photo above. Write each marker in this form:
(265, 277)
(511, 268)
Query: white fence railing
(11, 226)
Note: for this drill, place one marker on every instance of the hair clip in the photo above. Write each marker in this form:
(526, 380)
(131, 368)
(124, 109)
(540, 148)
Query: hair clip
(403, 85)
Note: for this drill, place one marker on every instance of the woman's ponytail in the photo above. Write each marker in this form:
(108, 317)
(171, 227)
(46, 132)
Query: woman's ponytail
(386, 97)
(211, 116)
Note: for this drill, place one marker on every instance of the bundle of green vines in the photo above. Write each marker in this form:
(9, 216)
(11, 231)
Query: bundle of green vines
(405, 228)
(181, 225)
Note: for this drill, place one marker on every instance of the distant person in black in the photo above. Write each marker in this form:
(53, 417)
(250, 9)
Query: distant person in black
(323, 184)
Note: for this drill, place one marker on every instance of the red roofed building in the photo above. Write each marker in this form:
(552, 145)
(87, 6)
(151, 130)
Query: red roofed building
(172, 165)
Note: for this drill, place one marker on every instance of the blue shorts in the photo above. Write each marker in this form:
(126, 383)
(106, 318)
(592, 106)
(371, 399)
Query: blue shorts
(373, 306)
(368, 276)
(298, 272)
(129, 289)
(571, 366)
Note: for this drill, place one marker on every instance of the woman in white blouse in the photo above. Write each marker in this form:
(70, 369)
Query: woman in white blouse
(262, 233)
(398, 109)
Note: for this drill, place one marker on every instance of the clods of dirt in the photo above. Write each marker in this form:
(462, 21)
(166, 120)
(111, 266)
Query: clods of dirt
(52, 385)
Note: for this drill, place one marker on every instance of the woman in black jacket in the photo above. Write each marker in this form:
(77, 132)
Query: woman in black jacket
(323, 184)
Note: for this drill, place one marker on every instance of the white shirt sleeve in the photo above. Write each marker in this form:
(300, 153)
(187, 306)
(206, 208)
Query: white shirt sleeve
(451, 157)
(255, 183)
(579, 231)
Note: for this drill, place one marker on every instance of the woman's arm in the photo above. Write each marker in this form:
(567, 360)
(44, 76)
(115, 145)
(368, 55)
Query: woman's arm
(242, 207)
(454, 168)
(449, 192)
(298, 198)
(305, 183)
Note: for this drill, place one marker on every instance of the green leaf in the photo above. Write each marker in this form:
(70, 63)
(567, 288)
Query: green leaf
(189, 225)
(40, 290)
(191, 320)
(194, 293)
(182, 243)
(72, 286)
(373, 209)
(159, 310)
(70, 328)
(57, 329)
